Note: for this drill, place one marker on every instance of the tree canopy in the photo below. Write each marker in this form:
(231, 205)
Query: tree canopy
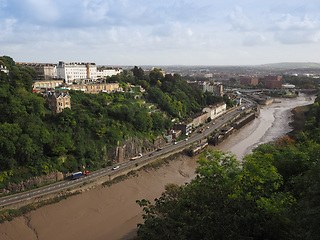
(272, 194)
(35, 141)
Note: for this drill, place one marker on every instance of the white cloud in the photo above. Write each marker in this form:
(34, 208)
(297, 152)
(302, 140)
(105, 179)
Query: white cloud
(239, 20)
(297, 37)
(254, 39)
(6, 29)
(289, 22)
(168, 31)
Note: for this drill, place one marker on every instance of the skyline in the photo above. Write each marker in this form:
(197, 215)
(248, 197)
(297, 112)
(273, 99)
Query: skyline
(144, 32)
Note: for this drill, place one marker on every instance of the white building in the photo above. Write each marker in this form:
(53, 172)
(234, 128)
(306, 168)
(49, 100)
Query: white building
(76, 71)
(216, 110)
(4, 69)
(215, 88)
(288, 86)
(107, 72)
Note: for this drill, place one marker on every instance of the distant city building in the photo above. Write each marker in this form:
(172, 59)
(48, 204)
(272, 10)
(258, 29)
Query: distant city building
(215, 110)
(215, 88)
(96, 87)
(249, 80)
(199, 118)
(208, 75)
(77, 71)
(272, 78)
(4, 69)
(172, 135)
(108, 72)
(185, 127)
(57, 100)
(40, 84)
(272, 82)
(45, 71)
(288, 86)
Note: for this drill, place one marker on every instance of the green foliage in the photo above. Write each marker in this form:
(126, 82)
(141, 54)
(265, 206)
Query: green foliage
(273, 194)
(301, 82)
(35, 141)
(172, 94)
(224, 201)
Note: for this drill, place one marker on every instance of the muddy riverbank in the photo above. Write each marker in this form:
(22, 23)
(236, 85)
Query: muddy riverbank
(273, 122)
(112, 213)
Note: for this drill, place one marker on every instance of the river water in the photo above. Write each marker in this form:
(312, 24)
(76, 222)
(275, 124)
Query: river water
(112, 212)
(273, 123)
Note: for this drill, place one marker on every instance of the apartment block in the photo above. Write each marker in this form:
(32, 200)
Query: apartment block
(40, 84)
(249, 80)
(216, 110)
(45, 71)
(215, 88)
(96, 87)
(199, 118)
(272, 82)
(185, 127)
(76, 71)
(108, 72)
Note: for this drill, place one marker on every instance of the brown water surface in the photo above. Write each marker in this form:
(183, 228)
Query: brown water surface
(273, 122)
(111, 213)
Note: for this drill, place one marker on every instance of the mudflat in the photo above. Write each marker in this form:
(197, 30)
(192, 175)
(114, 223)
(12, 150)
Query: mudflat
(102, 213)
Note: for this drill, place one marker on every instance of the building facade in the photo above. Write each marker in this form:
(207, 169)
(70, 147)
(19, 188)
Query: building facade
(272, 82)
(216, 110)
(172, 135)
(45, 71)
(76, 71)
(4, 69)
(108, 72)
(185, 127)
(39, 84)
(96, 87)
(215, 88)
(57, 100)
(249, 80)
(199, 118)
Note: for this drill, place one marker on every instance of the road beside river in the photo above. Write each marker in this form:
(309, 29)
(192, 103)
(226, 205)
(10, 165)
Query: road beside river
(112, 212)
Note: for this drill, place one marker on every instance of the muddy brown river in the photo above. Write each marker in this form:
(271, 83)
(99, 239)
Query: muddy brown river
(112, 212)
(273, 122)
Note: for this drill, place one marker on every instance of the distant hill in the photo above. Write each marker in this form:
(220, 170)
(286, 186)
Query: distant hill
(291, 65)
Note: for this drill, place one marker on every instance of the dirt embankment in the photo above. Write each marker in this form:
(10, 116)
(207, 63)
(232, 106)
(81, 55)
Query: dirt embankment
(101, 213)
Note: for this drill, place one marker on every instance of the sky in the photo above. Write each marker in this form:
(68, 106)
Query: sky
(161, 32)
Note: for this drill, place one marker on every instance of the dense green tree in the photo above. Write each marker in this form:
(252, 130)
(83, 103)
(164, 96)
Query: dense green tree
(9, 136)
(138, 73)
(155, 77)
(224, 201)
